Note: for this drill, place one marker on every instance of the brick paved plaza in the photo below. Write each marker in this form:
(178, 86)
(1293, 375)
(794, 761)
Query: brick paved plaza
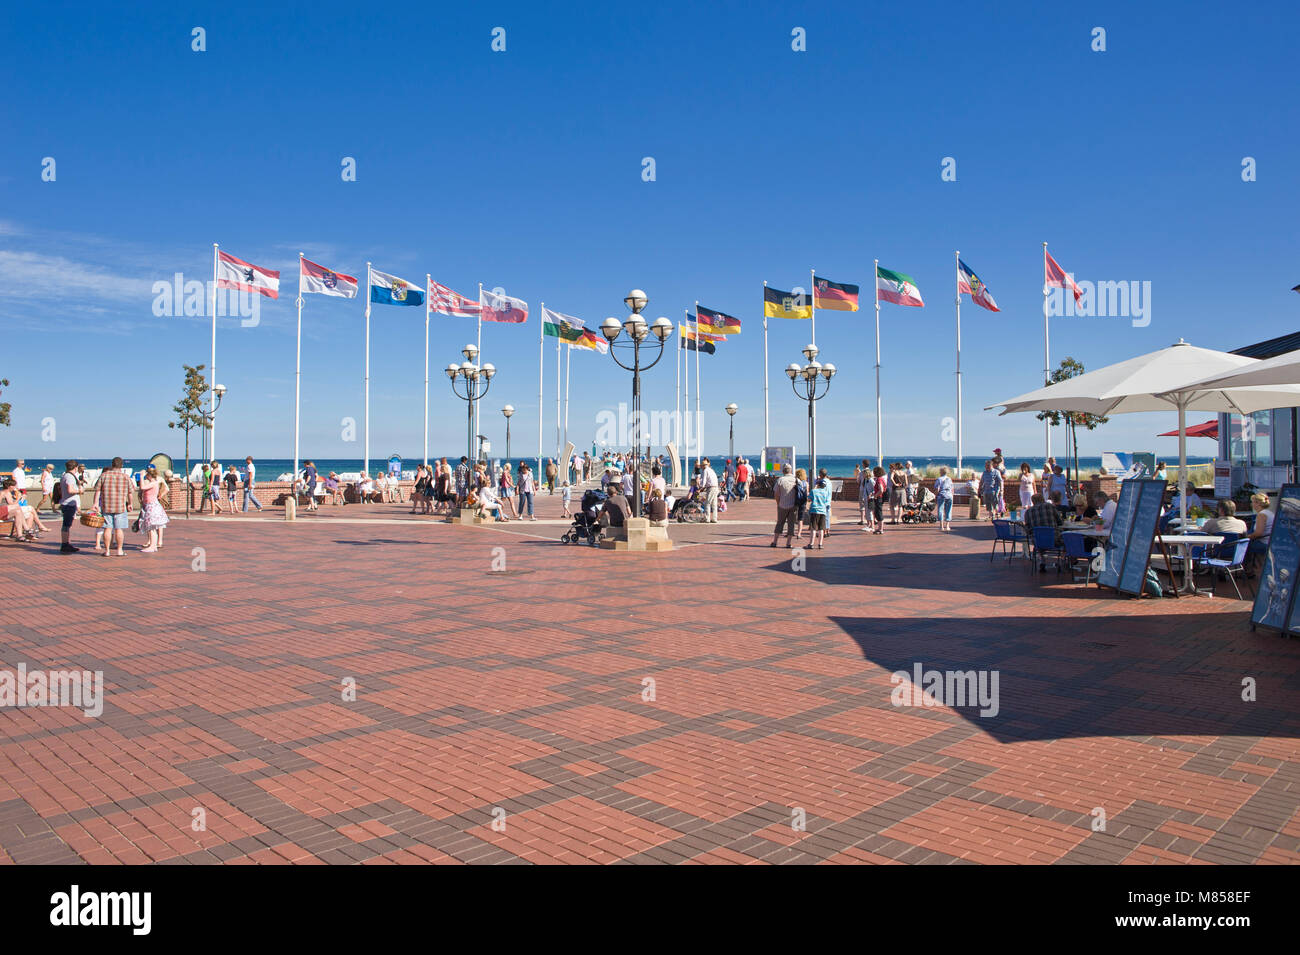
(521, 697)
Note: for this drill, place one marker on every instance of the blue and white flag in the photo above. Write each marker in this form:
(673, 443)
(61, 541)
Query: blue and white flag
(388, 289)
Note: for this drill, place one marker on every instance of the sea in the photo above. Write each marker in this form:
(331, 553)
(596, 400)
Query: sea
(837, 465)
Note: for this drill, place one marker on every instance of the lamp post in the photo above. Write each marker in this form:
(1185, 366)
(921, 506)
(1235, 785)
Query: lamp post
(808, 375)
(207, 417)
(473, 376)
(508, 411)
(731, 410)
(637, 332)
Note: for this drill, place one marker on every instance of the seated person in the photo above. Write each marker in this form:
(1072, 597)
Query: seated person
(657, 507)
(1058, 502)
(488, 503)
(1083, 511)
(365, 488)
(1193, 500)
(1259, 537)
(1105, 508)
(616, 509)
(1226, 521)
(1041, 514)
(333, 490)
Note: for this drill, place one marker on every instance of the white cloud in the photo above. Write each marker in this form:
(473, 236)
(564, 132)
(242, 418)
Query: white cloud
(31, 275)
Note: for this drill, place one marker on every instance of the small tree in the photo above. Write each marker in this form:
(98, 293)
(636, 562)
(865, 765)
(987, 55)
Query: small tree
(1072, 420)
(189, 415)
(4, 406)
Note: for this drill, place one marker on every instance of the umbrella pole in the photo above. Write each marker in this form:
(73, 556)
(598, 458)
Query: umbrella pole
(1182, 487)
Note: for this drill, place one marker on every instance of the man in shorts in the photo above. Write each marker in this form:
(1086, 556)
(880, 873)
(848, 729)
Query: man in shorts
(114, 497)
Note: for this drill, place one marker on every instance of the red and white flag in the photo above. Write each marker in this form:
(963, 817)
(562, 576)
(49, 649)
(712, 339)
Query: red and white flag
(499, 307)
(1056, 277)
(317, 278)
(444, 301)
(238, 274)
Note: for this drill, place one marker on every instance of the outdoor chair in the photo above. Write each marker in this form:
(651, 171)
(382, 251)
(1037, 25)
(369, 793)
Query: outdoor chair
(1010, 536)
(1076, 549)
(1233, 565)
(1044, 545)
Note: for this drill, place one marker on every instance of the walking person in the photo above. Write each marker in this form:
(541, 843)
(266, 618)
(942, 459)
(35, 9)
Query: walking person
(710, 484)
(506, 490)
(866, 481)
(526, 491)
(69, 500)
(800, 503)
(153, 519)
(783, 493)
(47, 488)
(250, 484)
(897, 491)
(990, 488)
(819, 506)
(1026, 485)
(879, 494)
(113, 494)
(232, 485)
(309, 476)
(551, 472)
(217, 480)
(943, 499)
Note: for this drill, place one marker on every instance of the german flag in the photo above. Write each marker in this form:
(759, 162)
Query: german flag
(834, 295)
(718, 323)
(778, 304)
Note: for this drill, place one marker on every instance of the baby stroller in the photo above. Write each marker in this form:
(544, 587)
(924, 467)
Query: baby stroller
(919, 513)
(586, 523)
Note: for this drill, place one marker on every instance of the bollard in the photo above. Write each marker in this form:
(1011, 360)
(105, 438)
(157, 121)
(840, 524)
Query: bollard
(290, 508)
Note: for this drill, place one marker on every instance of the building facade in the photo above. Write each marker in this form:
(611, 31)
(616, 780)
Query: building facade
(1261, 447)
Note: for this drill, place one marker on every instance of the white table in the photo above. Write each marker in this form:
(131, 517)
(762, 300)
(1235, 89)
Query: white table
(1185, 542)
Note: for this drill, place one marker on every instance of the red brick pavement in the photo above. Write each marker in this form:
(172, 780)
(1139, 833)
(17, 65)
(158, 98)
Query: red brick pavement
(508, 715)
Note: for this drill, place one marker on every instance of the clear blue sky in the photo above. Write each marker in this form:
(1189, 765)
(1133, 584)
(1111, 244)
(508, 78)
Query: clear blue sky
(523, 169)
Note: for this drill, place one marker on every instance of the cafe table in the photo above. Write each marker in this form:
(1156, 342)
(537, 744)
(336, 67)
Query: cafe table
(1185, 542)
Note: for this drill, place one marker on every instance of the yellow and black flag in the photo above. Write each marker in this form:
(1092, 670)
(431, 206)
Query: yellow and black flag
(778, 304)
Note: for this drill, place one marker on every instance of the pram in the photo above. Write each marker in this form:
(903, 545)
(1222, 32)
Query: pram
(920, 512)
(586, 523)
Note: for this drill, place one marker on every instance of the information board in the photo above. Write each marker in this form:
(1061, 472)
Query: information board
(1128, 550)
(775, 457)
(1275, 596)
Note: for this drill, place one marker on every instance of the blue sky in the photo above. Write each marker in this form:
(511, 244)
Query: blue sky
(522, 169)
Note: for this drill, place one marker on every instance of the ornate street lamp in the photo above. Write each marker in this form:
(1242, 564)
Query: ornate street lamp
(474, 378)
(804, 382)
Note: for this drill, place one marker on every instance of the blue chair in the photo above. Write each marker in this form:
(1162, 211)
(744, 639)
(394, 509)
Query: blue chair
(1044, 544)
(1232, 566)
(1076, 549)
(1010, 536)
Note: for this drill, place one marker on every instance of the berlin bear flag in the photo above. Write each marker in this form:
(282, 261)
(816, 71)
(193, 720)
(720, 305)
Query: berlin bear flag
(246, 277)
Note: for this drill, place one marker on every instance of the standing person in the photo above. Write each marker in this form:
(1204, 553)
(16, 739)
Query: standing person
(442, 487)
(819, 505)
(800, 502)
(216, 488)
(1058, 484)
(206, 499)
(990, 488)
(743, 475)
(729, 481)
(421, 482)
(250, 484)
(783, 493)
(462, 481)
(1026, 485)
(526, 491)
(113, 493)
(19, 475)
(47, 488)
(1000, 466)
(943, 499)
(506, 490)
(879, 493)
(1047, 474)
(566, 496)
(232, 485)
(309, 475)
(897, 491)
(551, 473)
(69, 504)
(153, 519)
(866, 483)
(710, 485)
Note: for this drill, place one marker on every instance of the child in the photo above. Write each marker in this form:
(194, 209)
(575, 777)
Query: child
(566, 494)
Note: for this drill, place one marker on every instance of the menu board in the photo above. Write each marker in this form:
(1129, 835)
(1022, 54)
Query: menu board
(1275, 597)
(1128, 551)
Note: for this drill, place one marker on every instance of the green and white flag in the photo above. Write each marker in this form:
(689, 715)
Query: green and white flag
(897, 288)
(558, 325)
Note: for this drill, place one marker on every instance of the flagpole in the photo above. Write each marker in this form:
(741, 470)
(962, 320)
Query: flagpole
(297, 377)
(1047, 362)
(478, 412)
(880, 424)
(428, 281)
(699, 439)
(568, 361)
(366, 460)
(762, 456)
(687, 404)
(677, 393)
(812, 277)
(212, 382)
(541, 404)
(957, 256)
(558, 446)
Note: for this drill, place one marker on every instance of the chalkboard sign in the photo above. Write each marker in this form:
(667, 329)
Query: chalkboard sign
(1275, 597)
(1128, 551)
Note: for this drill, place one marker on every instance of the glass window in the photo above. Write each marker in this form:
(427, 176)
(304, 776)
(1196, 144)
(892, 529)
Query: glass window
(1283, 436)
(1261, 448)
(1237, 450)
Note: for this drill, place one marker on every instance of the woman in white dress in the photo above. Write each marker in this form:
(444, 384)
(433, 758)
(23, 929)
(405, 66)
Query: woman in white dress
(1026, 486)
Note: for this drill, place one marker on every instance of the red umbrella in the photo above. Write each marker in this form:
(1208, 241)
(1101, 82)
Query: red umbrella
(1206, 429)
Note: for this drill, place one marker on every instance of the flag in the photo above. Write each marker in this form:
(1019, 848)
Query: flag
(591, 340)
(317, 278)
(897, 288)
(503, 308)
(558, 325)
(969, 282)
(238, 274)
(688, 339)
(446, 302)
(388, 289)
(708, 335)
(778, 304)
(1056, 277)
(834, 295)
(719, 323)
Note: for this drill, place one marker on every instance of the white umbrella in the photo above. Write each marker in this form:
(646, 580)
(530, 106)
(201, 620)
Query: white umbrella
(1279, 370)
(1172, 378)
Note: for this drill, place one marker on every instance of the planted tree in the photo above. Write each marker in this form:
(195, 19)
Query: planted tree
(1073, 420)
(189, 415)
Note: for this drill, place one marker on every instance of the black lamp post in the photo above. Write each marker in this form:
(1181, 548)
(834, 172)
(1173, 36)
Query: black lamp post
(473, 376)
(637, 332)
(804, 382)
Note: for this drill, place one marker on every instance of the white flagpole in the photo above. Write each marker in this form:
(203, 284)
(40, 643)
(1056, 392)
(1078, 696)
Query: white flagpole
(428, 281)
(1047, 362)
(366, 461)
(212, 382)
(880, 424)
(297, 377)
(541, 406)
(568, 361)
(812, 277)
(687, 439)
(762, 456)
(677, 392)
(699, 439)
(478, 412)
(957, 256)
(558, 447)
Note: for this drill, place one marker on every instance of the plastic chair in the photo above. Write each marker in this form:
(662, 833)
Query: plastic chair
(1010, 536)
(1234, 565)
(1044, 544)
(1076, 549)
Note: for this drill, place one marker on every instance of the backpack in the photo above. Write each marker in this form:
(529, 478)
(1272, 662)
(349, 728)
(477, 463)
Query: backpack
(57, 494)
(800, 495)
